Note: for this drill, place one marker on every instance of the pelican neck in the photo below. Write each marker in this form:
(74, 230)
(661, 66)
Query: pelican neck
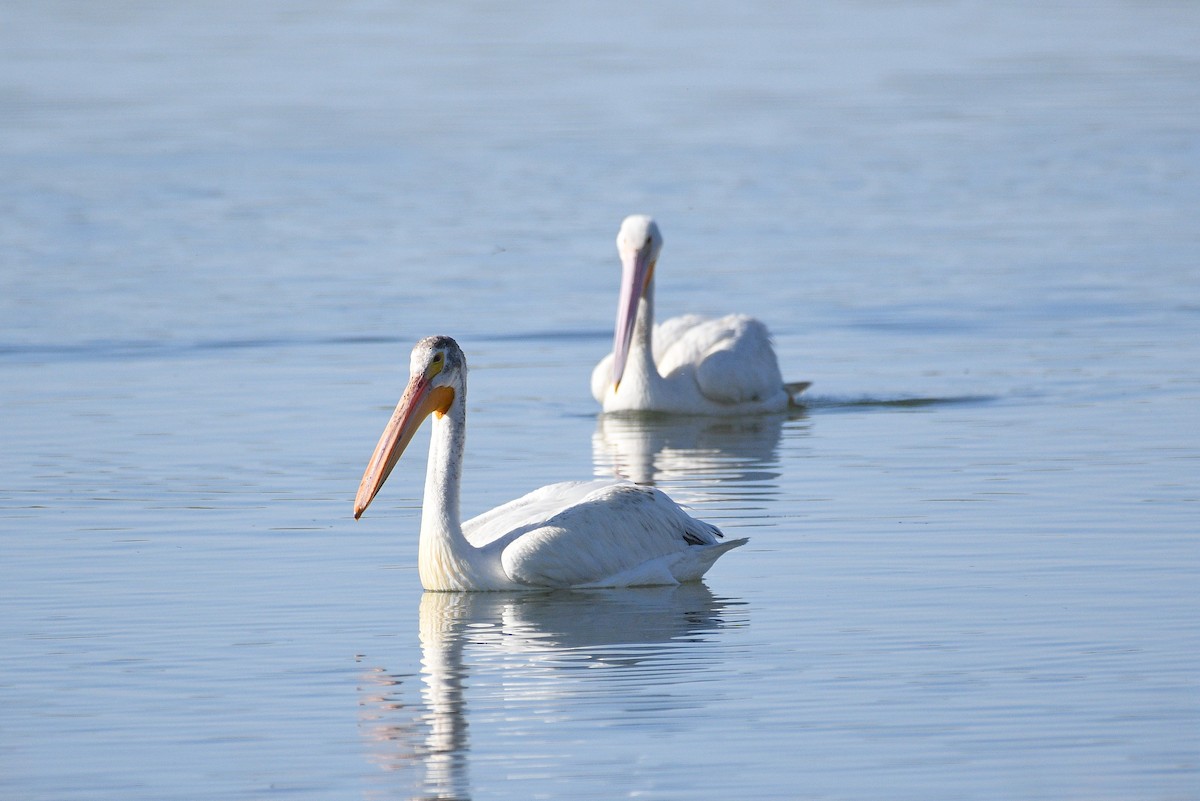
(446, 558)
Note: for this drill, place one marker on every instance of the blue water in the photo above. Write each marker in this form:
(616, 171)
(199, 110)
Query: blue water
(973, 561)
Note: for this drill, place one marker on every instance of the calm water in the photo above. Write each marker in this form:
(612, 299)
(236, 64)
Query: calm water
(973, 570)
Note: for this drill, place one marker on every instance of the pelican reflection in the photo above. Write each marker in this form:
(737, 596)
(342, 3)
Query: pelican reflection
(699, 458)
(531, 660)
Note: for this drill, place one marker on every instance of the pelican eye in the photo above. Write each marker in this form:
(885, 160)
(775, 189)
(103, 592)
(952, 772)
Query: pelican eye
(435, 365)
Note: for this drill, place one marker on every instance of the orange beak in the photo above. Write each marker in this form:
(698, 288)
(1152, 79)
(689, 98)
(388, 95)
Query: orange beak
(418, 402)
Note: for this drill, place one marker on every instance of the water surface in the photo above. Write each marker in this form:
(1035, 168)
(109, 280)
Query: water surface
(973, 565)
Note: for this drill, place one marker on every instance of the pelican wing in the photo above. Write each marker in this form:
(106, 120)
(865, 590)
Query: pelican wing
(618, 534)
(533, 509)
(602, 378)
(670, 333)
(731, 358)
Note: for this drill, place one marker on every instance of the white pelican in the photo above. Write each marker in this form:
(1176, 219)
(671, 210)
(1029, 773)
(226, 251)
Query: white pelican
(689, 364)
(573, 534)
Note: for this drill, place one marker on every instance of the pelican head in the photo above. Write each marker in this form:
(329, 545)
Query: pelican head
(638, 244)
(437, 371)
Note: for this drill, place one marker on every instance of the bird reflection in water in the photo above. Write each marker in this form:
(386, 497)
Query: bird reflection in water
(700, 459)
(531, 661)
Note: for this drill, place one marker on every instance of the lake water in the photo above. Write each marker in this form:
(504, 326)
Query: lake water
(973, 568)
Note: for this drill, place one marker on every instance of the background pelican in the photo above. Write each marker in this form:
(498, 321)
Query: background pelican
(689, 364)
(572, 534)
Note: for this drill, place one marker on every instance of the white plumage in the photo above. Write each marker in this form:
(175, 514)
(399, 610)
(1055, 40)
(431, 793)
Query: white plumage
(572, 534)
(689, 364)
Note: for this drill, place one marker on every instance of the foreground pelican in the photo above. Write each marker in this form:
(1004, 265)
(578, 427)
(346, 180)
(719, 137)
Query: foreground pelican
(573, 534)
(689, 364)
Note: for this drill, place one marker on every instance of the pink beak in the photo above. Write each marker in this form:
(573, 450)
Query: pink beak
(636, 271)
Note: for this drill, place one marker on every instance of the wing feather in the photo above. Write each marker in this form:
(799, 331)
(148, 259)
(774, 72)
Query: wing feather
(530, 510)
(611, 531)
(731, 358)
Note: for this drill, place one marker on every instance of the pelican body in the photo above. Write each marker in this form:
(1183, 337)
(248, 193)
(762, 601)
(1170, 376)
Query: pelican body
(689, 364)
(572, 534)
